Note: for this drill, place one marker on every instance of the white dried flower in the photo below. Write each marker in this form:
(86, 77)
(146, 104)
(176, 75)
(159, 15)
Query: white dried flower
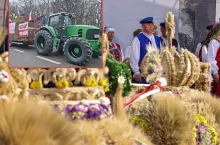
(121, 79)
(104, 100)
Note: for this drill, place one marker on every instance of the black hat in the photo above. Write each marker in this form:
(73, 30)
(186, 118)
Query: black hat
(209, 27)
(162, 24)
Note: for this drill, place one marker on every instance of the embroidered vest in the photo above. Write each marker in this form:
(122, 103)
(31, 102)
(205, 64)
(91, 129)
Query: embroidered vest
(116, 51)
(144, 41)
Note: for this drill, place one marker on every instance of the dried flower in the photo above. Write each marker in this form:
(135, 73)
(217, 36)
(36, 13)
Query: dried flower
(62, 84)
(35, 85)
(121, 79)
(103, 82)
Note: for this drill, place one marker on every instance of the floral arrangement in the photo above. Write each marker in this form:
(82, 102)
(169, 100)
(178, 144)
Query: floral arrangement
(87, 109)
(117, 69)
(204, 134)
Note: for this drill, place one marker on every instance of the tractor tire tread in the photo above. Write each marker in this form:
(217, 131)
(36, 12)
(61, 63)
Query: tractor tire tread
(49, 44)
(86, 52)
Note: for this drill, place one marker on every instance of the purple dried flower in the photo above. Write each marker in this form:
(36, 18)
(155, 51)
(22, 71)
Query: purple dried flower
(200, 127)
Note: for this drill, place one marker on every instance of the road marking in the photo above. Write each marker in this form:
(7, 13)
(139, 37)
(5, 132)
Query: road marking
(48, 60)
(18, 50)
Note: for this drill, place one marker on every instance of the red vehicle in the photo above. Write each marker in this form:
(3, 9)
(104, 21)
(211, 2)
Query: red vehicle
(23, 32)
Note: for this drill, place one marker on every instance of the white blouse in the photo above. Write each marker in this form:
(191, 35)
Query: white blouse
(204, 52)
(214, 45)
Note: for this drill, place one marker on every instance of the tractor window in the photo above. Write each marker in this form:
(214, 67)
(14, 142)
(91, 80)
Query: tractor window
(68, 21)
(54, 21)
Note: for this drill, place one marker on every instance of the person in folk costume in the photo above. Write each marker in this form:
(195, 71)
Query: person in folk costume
(164, 40)
(128, 49)
(114, 48)
(139, 45)
(214, 58)
(201, 49)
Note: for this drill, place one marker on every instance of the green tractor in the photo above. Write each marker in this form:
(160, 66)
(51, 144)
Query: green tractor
(78, 42)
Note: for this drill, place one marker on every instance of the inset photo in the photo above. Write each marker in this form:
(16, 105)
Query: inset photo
(3, 26)
(55, 33)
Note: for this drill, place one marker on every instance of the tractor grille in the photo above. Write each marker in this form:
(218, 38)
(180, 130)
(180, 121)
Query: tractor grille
(90, 35)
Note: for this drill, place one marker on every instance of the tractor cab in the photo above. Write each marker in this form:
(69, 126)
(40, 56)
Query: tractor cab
(60, 22)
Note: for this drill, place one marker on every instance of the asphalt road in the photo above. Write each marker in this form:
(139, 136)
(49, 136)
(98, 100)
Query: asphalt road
(20, 56)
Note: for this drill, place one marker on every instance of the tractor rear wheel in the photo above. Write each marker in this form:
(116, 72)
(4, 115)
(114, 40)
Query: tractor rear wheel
(43, 42)
(77, 51)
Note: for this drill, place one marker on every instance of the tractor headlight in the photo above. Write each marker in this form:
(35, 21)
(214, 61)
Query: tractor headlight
(97, 36)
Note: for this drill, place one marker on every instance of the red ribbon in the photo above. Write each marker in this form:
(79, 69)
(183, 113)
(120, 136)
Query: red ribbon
(147, 89)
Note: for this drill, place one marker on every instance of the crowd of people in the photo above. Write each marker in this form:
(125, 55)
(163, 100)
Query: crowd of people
(207, 51)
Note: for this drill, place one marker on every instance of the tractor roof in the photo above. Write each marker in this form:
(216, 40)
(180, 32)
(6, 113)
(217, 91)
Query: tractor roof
(60, 14)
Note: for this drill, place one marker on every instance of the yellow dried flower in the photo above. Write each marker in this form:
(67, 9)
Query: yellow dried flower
(91, 82)
(103, 82)
(62, 84)
(35, 85)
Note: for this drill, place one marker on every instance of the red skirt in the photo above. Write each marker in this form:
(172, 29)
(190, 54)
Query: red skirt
(216, 87)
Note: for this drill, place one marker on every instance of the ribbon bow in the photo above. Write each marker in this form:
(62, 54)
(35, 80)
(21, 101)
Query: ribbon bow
(147, 89)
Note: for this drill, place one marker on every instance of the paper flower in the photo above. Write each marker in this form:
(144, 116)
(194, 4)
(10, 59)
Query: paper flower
(91, 82)
(86, 110)
(121, 79)
(62, 84)
(35, 85)
(103, 82)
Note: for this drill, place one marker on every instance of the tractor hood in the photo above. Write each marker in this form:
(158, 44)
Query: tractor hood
(86, 31)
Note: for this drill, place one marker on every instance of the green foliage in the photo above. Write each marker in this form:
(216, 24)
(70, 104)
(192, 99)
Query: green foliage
(117, 69)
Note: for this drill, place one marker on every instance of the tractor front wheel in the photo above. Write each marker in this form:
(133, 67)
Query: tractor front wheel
(77, 51)
(43, 42)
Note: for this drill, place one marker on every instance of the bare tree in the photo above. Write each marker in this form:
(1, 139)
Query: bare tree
(86, 11)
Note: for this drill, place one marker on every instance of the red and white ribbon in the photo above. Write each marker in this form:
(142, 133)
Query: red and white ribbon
(148, 91)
